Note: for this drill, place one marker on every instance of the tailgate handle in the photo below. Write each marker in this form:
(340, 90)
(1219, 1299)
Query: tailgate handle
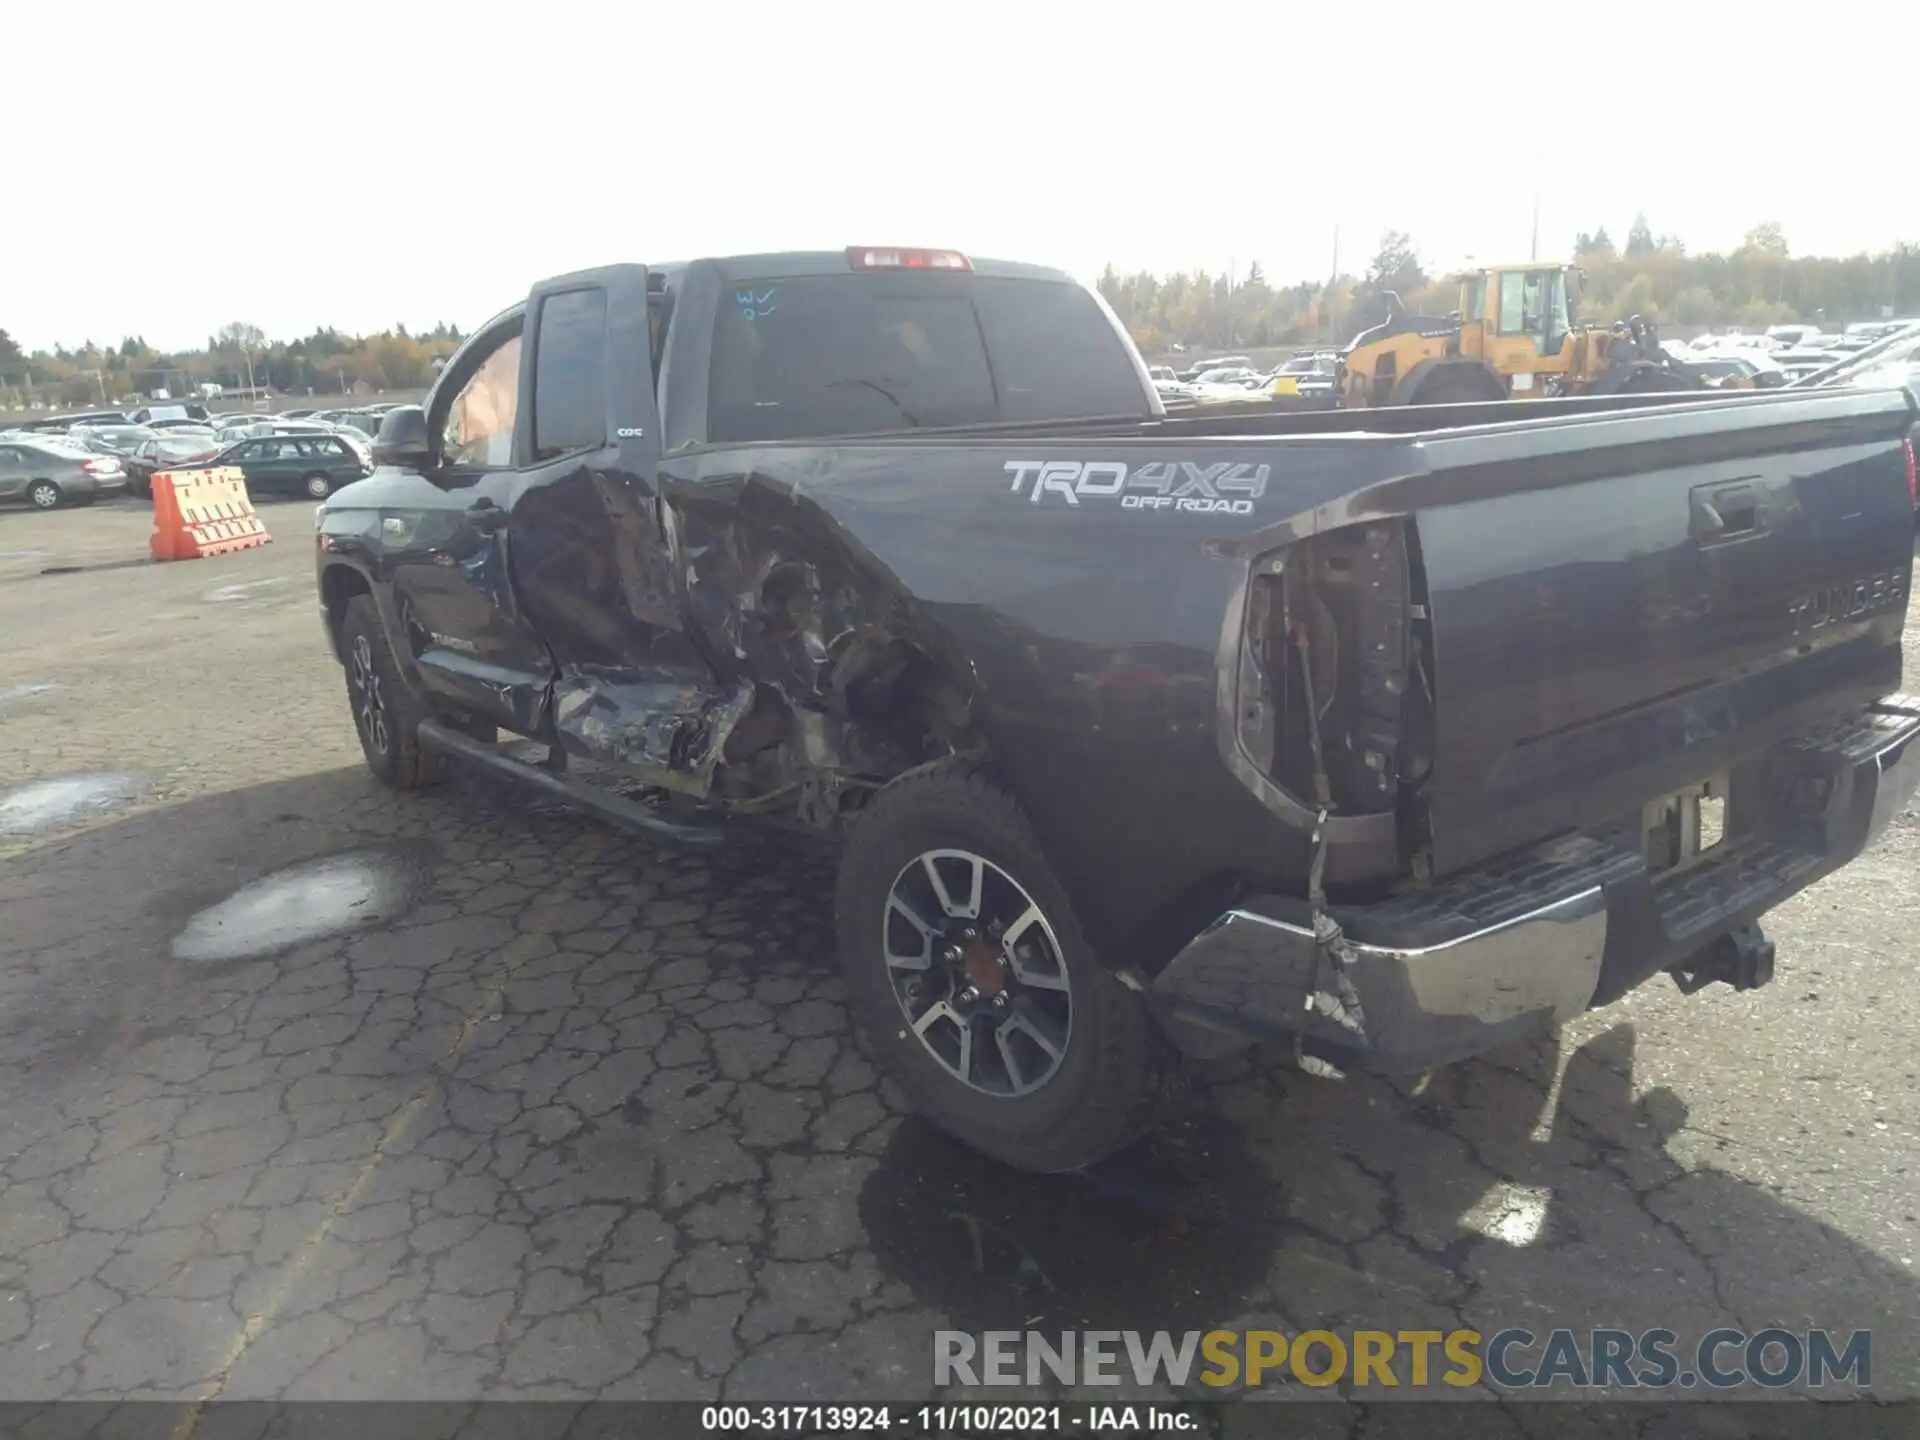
(1726, 512)
(486, 516)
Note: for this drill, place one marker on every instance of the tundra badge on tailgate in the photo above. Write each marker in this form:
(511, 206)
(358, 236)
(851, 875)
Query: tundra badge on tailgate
(1868, 595)
(1224, 488)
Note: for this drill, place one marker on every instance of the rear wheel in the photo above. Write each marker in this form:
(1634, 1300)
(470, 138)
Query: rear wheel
(318, 486)
(44, 494)
(385, 713)
(974, 985)
(1654, 380)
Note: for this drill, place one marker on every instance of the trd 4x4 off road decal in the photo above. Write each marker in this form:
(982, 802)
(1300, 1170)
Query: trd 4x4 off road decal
(1225, 488)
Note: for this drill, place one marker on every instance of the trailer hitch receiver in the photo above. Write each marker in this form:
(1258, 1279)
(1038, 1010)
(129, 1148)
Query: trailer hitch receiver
(1742, 959)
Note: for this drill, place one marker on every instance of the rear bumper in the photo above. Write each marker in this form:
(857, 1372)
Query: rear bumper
(1510, 950)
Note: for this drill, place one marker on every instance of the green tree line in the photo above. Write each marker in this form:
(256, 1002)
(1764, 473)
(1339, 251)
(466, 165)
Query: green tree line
(326, 362)
(1758, 284)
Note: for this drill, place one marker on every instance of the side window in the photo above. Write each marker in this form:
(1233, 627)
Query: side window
(1533, 307)
(328, 447)
(479, 428)
(1476, 299)
(1512, 302)
(252, 450)
(569, 374)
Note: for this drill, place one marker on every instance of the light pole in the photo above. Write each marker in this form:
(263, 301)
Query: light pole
(1539, 160)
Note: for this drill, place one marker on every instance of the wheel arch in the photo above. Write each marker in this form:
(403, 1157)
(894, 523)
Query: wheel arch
(339, 584)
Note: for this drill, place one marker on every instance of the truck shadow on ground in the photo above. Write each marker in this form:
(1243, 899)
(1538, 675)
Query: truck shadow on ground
(1534, 1189)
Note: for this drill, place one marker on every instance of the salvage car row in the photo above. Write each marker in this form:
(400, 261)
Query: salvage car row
(97, 457)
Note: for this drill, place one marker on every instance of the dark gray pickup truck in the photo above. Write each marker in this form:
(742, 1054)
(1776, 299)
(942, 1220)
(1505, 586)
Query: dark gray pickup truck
(1389, 736)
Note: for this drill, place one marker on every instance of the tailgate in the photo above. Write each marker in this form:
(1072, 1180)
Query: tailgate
(1625, 605)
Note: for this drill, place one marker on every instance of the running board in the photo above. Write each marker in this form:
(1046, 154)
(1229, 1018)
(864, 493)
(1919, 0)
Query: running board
(594, 798)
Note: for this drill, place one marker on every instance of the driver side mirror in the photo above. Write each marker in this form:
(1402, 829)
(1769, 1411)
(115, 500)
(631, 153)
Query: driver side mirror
(403, 440)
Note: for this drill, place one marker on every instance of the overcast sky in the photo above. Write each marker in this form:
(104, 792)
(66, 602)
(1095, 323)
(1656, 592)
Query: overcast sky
(419, 162)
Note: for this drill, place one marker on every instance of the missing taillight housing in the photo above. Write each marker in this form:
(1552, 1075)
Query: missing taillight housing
(1348, 594)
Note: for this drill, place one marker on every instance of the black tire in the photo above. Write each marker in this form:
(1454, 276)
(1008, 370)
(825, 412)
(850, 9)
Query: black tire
(389, 728)
(1655, 381)
(1457, 384)
(45, 495)
(317, 486)
(1114, 1067)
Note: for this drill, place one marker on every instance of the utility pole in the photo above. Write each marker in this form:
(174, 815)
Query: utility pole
(1333, 279)
(1232, 266)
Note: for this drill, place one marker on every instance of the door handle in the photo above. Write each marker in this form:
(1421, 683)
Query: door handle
(486, 517)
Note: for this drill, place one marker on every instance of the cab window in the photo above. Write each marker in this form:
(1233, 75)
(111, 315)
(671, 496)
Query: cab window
(1519, 302)
(1559, 319)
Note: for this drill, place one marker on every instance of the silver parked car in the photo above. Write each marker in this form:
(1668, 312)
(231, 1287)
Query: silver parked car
(50, 472)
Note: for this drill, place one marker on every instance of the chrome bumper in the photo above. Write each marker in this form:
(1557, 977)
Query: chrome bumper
(1510, 951)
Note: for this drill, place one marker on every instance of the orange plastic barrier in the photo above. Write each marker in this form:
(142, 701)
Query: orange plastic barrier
(203, 512)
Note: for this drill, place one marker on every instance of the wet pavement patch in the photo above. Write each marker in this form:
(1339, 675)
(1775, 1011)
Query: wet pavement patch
(244, 590)
(45, 804)
(15, 693)
(1171, 1234)
(293, 906)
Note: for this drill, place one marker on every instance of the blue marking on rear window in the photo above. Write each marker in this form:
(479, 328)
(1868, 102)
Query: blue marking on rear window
(754, 306)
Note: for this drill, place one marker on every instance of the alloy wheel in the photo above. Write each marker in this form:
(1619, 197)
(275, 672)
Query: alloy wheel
(369, 706)
(978, 972)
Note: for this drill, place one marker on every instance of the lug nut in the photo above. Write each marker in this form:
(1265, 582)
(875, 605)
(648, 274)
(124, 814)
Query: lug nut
(1000, 1001)
(970, 994)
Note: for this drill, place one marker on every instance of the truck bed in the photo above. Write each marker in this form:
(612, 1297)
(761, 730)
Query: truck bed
(1618, 597)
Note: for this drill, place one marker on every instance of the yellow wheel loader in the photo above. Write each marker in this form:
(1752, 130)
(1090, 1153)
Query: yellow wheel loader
(1513, 337)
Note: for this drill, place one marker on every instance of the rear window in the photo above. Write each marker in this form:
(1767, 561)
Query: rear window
(859, 354)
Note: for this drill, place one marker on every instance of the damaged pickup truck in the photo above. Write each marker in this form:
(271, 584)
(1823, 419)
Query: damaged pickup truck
(1388, 736)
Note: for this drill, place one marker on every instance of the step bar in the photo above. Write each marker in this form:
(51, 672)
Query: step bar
(596, 799)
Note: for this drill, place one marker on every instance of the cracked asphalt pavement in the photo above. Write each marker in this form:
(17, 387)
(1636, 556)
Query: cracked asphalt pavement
(308, 1090)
